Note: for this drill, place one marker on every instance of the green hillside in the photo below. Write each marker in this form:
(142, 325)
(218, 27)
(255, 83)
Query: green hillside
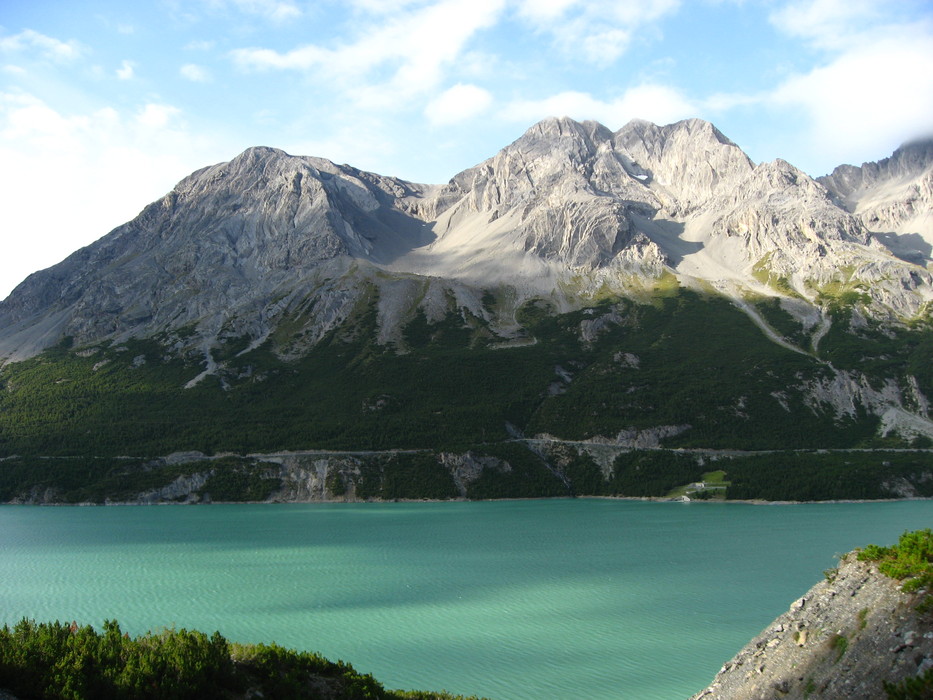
(694, 365)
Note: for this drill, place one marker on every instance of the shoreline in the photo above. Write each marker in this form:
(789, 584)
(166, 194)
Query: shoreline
(642, 499)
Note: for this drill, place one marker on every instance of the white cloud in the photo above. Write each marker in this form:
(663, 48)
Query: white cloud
(606, 46)
(867, 100)
(599, 31)
(360, 140)
(125, 71)
(457, 104)
(195, 73)
(46, 46)
(874, 89)
(724, 101)
(657, 103)
(99, 167)
(828, 23)
(275, 10)
(156, 116)
(303, 58)
(544, 11)
(414, 47)
(381, 7)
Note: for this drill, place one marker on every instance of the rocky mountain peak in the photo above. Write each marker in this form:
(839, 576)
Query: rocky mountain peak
(850, 183)
(562, 131)
(893, 198)
(561, 194)
(566, 199)
(689, 161)
(223, 242)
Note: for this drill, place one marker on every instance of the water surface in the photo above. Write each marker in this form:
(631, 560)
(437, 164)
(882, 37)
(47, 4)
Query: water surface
(559, 599)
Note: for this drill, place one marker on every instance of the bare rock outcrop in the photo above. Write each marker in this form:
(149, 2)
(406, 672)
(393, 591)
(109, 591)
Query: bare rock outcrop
(893, 198)
(230, 248)
(842, 639)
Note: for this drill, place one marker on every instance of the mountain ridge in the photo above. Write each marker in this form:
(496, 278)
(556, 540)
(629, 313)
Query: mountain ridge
(567, 199)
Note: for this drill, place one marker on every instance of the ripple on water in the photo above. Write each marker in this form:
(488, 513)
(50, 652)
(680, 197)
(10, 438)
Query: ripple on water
(513, 600)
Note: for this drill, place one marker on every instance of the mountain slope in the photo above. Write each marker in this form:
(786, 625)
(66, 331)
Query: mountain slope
(893, 198)
(580, 283)
(234, 244)
(224, 245)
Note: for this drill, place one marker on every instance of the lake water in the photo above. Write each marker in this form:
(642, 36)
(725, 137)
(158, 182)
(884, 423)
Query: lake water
(549, 599)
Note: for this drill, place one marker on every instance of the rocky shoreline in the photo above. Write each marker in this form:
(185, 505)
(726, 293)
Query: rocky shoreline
(842, 639)
(516, 469)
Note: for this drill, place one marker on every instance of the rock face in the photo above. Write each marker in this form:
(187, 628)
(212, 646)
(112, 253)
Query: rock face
(225, 251)
(842, 639)
(565, 211)
(892, 198)
(561, 195)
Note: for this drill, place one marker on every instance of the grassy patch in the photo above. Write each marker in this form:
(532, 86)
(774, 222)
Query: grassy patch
(762, 272)
(839, 643)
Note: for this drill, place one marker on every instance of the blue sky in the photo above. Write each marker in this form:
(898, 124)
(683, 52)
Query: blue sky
(106, 104)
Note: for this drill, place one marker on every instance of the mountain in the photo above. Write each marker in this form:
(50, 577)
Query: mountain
(649, 287)
(227, 245)
(893, 198)
(236, 243)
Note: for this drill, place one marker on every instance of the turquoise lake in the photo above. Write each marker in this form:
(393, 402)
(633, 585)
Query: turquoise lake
(543, 600)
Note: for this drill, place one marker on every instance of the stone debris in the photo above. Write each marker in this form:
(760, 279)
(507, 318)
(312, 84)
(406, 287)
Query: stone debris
(884, 639)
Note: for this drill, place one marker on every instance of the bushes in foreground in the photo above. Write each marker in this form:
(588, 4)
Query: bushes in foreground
(58, 661)
(910, 560)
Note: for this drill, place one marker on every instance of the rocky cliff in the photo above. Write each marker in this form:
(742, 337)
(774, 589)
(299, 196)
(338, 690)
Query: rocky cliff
(842, 639)
(893, 198)
(227, 250)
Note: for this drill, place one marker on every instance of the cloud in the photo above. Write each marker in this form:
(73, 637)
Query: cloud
(381, 7)
(48, 47)
(873, 89)
(867, 100)
(405, 54)
(598, 31)
(828, 23)
(100, 168)
(275, 10)
(657, 103)
(544, 12)
(125, 71)
(304, 58)
(195, 73)
(156, 116)
(457, 104)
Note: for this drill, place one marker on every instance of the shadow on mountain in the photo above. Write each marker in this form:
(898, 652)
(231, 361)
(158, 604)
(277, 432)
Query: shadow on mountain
(909, 247)
(668, 235)
(394, 234)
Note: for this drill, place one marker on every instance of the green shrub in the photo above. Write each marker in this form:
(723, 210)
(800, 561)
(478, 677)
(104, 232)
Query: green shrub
(918, 688)
(910, 560)
(58, 661)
